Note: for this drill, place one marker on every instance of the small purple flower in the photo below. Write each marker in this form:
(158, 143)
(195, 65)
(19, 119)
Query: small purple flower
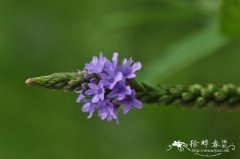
(107, 110)
(106, 87)
(120, 91)
(97, 91)
(90, 108)
(127, 70)
(110, 75)
(80, 98)
(96, 65)
(130, 101)
(110, 80)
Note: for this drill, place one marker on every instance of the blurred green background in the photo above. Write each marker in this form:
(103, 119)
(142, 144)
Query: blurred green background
(187, 41)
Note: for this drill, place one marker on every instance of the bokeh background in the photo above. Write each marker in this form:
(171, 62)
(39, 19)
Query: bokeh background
(178, 42)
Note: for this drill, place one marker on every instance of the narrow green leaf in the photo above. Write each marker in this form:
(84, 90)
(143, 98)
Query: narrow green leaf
(186, 52)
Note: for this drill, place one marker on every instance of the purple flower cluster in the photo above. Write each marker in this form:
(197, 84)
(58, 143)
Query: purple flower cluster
(107, 88)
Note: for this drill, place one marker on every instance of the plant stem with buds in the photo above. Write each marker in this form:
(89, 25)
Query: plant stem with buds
(196, 95)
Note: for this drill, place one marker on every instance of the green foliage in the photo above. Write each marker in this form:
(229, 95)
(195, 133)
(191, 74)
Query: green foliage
(230, 17)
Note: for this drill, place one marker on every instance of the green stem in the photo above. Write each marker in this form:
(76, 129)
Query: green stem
(196, 95)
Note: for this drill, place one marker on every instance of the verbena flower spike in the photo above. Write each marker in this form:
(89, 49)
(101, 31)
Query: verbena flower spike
(104, 86)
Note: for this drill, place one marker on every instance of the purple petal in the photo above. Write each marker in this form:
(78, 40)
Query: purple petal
(112, 114)
(137, 104)
(93, 86)
(133, 93)
(126, 108)
(96, 98)
(128, 90)
(136, 66)
(121, 96)
(87, 66)
(124, 61)
(86, 107)
(109, 117)
(112, 94)
(90, 114)
(115, 59)
(89, 92)
(80, 98)
(118, 77)
(102, 96)
(95, 59)
(127, 62)
(131, 76)
(103, 112)
(100, 55)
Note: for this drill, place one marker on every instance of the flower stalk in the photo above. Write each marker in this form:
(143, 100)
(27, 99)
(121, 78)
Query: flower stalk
(195, 95)
(69, 81)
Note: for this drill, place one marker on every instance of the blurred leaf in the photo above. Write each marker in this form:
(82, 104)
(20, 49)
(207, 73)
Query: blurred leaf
(186, 52)
(230, 20)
